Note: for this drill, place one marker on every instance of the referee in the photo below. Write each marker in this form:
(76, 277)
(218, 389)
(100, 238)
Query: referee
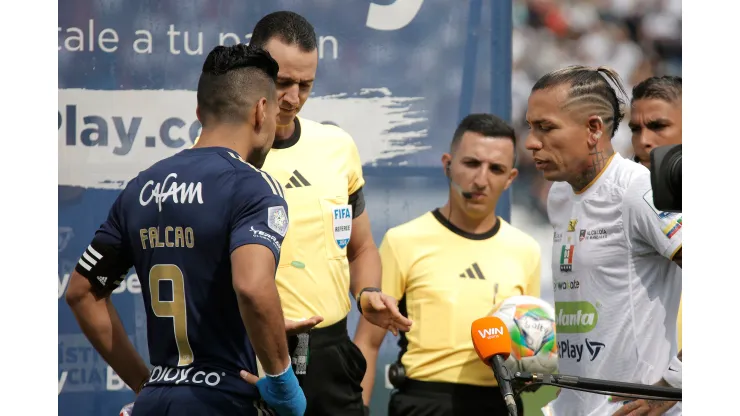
(449, 266)
(329, 250)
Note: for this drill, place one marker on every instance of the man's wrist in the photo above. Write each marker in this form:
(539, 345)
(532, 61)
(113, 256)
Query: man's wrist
(359, 296)
(282, 373)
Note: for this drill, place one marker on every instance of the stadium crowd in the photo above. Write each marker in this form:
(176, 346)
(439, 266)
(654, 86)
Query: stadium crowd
(638, 38)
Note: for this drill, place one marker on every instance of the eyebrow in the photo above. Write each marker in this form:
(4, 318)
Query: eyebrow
(283, 78)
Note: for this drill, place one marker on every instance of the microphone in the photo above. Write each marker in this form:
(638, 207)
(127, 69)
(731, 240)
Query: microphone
(492, 343)
(458, 188)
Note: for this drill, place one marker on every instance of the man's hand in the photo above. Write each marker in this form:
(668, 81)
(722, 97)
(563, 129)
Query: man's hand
(282, 393)
(643, 407)
(381, 310)
(299, 327)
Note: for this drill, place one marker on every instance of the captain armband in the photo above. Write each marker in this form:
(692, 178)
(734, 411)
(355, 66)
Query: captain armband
(672, 374)
(357, 200)
(104, 266)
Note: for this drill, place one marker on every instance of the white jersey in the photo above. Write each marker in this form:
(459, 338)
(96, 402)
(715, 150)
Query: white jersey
(616, 289)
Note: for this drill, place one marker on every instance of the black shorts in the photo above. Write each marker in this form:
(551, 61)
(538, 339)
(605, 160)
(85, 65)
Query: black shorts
(336, 367)
(194, 400)
(417, 398)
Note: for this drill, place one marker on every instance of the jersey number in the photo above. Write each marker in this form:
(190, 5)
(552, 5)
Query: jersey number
(175, 309)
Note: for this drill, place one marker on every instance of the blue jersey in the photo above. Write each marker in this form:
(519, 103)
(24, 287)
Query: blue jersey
(177, 224)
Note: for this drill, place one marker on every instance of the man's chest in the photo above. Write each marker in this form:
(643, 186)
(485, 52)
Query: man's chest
(466, 279)
(590, 250)
(316, 192)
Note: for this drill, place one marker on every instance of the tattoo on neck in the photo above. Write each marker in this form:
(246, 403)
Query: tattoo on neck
(596, 165)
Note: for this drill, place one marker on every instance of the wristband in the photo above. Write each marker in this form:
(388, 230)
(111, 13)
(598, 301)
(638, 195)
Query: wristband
(672, 374)
(290, 364)
(359, 296)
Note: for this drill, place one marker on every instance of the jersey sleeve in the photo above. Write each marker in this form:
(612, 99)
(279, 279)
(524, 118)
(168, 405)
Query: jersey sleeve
(648, 228)
(260, 214)
(533, 279)
(393, 277)
(109, 256)
(356, 180)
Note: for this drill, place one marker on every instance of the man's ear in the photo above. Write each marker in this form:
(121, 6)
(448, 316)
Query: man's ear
(446, 161)
(512, 175)
(595, 130)
(260, 113)
(197, 114)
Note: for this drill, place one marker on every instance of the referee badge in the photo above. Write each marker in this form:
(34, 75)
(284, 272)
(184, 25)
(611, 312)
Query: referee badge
(342, 224)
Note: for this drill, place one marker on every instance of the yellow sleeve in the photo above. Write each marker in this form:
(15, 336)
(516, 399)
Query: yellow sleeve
(678, 323)
(356, 181)
(533, 282)
(394, 278)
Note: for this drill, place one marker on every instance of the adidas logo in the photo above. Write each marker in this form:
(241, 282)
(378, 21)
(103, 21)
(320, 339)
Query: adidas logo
(102, 280)
(297, 180)
(473, 272)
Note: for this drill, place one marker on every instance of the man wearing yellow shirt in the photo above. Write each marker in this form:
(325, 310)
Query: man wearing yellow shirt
(449, 267)
(329, 250)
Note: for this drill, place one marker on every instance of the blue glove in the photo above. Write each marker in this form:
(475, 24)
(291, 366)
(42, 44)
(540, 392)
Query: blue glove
(282, 393)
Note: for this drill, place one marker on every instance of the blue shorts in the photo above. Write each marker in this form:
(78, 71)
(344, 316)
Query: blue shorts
(193, 400)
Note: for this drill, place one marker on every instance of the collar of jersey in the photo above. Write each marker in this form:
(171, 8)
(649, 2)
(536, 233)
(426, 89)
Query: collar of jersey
(464, 234)
(596, 182)
(290, 141)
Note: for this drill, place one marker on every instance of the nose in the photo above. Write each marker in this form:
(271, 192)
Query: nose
(480, 180)
(291, 95)
(531, 142)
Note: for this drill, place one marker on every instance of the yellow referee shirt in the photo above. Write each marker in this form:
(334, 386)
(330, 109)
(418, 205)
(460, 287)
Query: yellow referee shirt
(447, 278)
(319, 168)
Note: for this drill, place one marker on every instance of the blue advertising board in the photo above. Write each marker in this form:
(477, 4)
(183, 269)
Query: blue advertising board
(397, 75)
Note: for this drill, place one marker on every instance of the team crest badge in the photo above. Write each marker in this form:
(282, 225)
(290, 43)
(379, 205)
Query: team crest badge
(277, 220)
(572, 225)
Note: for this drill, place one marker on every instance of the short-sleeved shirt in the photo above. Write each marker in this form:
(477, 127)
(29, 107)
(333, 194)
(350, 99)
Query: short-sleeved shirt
(319, 167)
(617, 290)
(447, 278)
(177, 223)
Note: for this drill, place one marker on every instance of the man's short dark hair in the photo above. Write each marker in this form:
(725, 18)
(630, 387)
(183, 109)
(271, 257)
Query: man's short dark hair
(487, 125)
(291, 28)
(666, 88)
(233, 79)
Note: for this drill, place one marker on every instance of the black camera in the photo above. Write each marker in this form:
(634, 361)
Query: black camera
(665, 177)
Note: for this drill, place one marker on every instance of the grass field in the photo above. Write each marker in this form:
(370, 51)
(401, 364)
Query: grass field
(533, 402)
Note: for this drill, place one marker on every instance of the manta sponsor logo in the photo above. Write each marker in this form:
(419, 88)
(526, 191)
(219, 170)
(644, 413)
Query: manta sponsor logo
(184, 376)
(575, 317)
(159, 192)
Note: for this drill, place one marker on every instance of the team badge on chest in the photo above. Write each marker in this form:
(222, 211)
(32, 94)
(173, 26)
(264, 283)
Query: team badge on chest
(342, 224)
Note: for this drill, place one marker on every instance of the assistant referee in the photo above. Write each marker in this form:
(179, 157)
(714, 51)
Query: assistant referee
(449, 267)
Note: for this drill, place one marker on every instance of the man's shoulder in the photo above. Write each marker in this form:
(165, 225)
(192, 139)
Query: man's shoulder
(331, 134)
(517, 238)
(630, 175)
(412, 228)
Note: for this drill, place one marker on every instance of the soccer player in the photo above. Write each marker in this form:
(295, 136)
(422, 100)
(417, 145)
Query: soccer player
(329, 251)
(618, 320)
(655, 120)
(449, 267)
(203, 229)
